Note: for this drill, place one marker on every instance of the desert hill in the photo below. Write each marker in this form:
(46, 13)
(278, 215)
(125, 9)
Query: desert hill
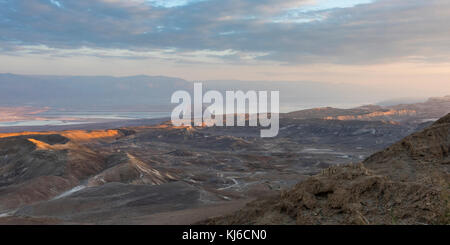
(429, 110)
(408, 183)
(161, 174)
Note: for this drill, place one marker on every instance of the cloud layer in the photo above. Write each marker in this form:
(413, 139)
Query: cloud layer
(237, 31)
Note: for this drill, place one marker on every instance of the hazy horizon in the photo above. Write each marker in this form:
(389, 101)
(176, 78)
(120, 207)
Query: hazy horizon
(153, 93)
(397, 45)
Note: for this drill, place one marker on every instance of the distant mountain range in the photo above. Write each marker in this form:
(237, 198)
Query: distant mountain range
(80, 91)
(107, 91)
(430, 110)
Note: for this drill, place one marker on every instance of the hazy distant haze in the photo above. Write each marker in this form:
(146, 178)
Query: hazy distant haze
(399, 46)
(145, 91)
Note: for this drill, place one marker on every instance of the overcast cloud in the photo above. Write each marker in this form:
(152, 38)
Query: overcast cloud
(291, 32)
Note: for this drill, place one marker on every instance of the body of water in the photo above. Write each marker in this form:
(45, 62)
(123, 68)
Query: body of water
(39, 123)
(56, 118)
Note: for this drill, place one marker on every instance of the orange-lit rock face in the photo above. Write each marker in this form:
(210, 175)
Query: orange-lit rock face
(6, 135)
(82, 135)
(44, 146)
(322, 108)
(374, 115)
(77, 135)
(169, 125)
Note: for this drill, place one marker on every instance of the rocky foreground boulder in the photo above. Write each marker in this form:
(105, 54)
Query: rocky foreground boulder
(408, 183)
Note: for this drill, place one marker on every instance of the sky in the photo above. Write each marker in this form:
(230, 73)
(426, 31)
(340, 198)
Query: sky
(399, 44)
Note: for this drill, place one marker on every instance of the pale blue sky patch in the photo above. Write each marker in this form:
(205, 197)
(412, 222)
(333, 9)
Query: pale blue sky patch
(316, 10)
(296, 17)
(56, 3)
(320, 5)
(172, 3)
(160, 28)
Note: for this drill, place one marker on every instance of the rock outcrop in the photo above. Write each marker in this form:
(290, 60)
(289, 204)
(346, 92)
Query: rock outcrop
(408, 183)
